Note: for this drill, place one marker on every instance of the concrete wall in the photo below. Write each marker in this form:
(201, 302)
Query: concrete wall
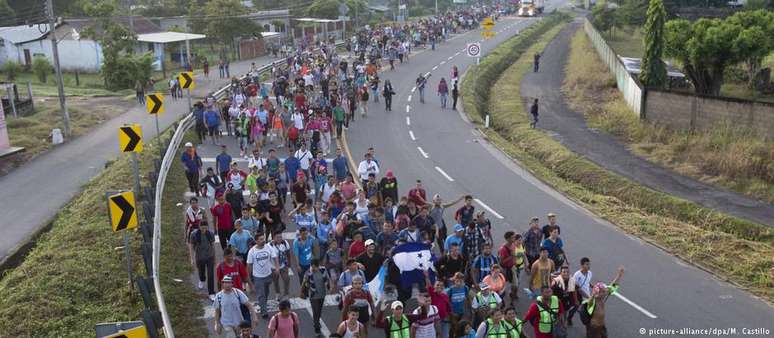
(629, 87)
(684, 111)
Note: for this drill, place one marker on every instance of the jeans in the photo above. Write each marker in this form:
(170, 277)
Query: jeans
(193, 181)
(317, 305)
(206, 268)
(421, 95)
(302, 273)
(443, 100)
(262, 285)
(283, 274)
(375, 93)
(388, 102)
(325, 142)
(444, 328)
(534, 122)
(224, 235)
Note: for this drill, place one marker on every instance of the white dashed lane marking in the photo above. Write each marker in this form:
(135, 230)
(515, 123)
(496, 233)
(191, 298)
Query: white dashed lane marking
(422, 151)
(408, 121)
(444, 174)
(408, 108)
(411, 134)
(491, 211)
(443, 62)
(435, 67)
(409, 98)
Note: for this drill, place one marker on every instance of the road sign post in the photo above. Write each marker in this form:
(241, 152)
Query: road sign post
(122, 214)
(130, 141)
(154, 104)
(186, 80)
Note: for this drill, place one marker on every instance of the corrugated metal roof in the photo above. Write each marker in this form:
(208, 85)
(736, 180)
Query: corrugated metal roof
(167, 37)
(24, 33)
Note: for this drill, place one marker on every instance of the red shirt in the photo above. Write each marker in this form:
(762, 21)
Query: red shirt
(414, 195)
(357, 248)
(360, 296)
(505, 254)
(223, 216)
(237, 271)
(441, 301)
(533, 316)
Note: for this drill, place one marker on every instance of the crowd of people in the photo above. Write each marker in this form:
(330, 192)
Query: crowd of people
(347, 223)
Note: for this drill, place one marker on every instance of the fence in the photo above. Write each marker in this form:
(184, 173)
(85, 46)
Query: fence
(627, 84)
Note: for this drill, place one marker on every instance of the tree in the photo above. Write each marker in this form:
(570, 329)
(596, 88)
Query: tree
(756, 39)
(7, 14)
(604, 17)
(324, 9)
(11, 69)
(41, 68)
(654, 72)
(227, 25)
(632, 12)
(705, 48)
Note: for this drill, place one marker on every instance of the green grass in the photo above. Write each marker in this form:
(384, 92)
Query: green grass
(725, 155)
(74, 277)
(91, 84)
(696, 234)
(626, 42)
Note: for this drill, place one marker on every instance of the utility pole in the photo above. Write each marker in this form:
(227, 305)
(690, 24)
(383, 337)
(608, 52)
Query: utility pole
(59, 82)
(131, 17)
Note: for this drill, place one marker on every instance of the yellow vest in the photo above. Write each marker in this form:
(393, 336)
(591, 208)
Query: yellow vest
(547, 318)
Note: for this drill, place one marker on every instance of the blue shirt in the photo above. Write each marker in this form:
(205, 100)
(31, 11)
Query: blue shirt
(223, 161)
(452, 239)
(249, 224)
(340, 167)
(192, 165)
(240, 241)
(484, 265)
(305, 220)
(303, 250)
(323, 230)
(212, 118)
(457, 298)
(291, 167)
(199, 115)
(263, 116)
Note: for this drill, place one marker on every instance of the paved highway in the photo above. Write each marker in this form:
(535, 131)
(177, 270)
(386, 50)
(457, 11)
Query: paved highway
(437, 145)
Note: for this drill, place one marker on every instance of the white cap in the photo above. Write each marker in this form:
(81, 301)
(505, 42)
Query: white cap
(188, 144)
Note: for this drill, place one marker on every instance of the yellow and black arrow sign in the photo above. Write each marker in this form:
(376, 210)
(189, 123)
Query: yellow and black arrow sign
(123, 214)
(154, 103)
(137, 332)
(186, 80)
(130, 138)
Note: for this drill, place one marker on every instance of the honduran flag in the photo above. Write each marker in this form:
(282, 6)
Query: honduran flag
(413, 259)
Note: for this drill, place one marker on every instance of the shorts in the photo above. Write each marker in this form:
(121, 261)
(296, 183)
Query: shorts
(363, 316)
(213, 130)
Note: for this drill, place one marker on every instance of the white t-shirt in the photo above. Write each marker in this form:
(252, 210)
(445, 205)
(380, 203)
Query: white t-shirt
(298, 121)
(582, 282)
(426, 326)
(228, 303)
(259, 162)
(328, 191)
(261, 259)
(305, 157)
(281, 249)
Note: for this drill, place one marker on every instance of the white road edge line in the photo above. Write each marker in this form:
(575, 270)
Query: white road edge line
(444, 174)
(435, 67)
(443, 62)
(634, 305)
(457, 53)
(408, 121)
(427, 74)
(451, 57)
(491, 211)
(409, 98)
(422, 151)
(411, 133)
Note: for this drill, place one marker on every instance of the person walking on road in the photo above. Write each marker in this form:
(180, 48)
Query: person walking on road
(193, 166)
(388, 92)
(201, 249)
(595, 306)
(455, 94)
(545, 314)
(536, 63)
(364, 101)
(533, 110)
(315, 286)
(228, 309)
(285, 323)
(421, 82)
(262, 263)
(443, 92)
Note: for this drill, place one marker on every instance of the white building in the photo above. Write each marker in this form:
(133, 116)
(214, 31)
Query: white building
(76, 52)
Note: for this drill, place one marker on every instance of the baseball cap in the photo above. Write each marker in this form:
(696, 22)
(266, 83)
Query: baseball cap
(389, 173)
(483, 286)
(369, 242)
(226, 279)
(551, 214)
(458, 227)
(396, 304)
(188, 144)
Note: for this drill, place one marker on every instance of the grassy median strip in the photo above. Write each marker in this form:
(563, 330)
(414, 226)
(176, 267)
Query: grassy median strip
(728, 155)
(734, 249)
(182, 299)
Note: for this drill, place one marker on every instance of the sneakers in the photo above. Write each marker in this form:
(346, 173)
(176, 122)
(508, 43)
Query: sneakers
(201, 285)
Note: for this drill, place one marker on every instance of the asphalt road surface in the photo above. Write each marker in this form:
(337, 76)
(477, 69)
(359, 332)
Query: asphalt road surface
(438, 146)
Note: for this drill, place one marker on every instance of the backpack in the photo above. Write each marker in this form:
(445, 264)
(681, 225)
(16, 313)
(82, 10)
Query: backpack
(585, 317)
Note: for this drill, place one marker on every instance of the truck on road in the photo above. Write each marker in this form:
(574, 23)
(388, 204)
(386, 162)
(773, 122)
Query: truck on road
(531, 7)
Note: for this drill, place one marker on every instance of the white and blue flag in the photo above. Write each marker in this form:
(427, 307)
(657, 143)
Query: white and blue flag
(413, 259)
(376, 285)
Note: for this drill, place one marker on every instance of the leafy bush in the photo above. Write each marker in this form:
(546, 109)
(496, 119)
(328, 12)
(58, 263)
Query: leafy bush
(126, 70)
(11, 69)
(41, 68)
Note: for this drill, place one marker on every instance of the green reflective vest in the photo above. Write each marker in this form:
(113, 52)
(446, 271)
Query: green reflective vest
(399, 330)
(492, 300)
(611, 289)
(547, 318)
(516, 329)
(500, 332)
